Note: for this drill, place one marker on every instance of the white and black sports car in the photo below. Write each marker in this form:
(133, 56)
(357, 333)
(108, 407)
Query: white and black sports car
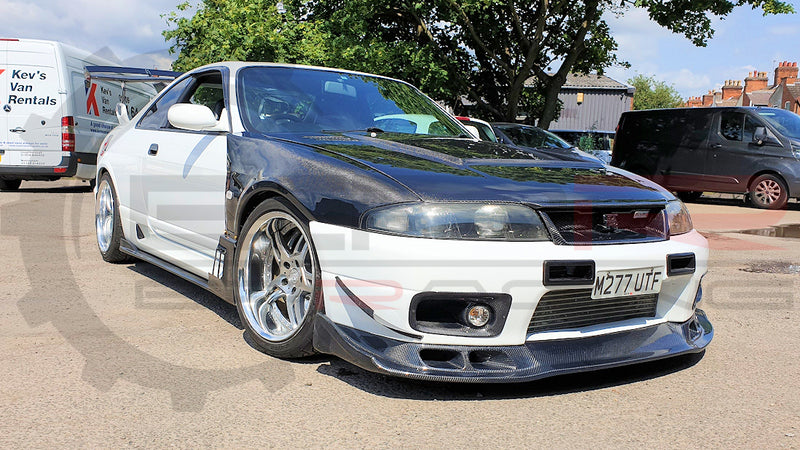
(348, 214)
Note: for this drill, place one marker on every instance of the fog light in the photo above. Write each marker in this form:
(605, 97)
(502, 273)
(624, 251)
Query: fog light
(479, 315)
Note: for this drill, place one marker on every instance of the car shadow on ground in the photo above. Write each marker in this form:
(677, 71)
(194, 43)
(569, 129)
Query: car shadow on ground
(393, 387)
(207, 300)
(55, 189)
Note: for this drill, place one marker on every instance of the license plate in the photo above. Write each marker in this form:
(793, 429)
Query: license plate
(619, 283)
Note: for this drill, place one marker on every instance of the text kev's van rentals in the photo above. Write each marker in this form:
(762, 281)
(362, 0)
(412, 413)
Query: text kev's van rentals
(52, 117)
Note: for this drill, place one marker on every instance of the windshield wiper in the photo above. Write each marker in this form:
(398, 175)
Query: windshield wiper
(368, 130)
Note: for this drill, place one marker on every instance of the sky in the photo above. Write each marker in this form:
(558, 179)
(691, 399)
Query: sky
(131, 30)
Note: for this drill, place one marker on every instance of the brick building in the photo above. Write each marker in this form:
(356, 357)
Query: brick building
(784, 92)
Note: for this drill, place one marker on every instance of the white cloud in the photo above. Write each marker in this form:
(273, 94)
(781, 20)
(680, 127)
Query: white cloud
(128, 28)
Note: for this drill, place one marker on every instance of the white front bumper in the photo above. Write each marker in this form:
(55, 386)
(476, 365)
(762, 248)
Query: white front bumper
(385, 272)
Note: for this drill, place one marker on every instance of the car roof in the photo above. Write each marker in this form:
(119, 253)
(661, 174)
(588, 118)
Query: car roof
(237, 65)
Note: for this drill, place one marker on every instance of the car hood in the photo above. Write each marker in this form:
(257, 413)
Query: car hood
(457, 169)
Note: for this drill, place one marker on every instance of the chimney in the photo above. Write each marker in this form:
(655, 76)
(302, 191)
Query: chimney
(786, 72)
(708, 99)
(731, 89)
(755, 81)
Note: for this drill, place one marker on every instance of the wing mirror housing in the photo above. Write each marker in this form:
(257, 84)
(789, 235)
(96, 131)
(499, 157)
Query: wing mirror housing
(191, 117)
(760, 135)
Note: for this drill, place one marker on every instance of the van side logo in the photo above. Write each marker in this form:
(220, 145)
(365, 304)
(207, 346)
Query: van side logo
(91, 100)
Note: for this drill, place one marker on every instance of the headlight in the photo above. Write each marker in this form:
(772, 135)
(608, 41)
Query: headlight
(459, 221)
(796, 150)
(678, 216)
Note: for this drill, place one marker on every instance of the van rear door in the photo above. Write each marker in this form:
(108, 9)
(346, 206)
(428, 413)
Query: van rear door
(3, 100)
(32, 106)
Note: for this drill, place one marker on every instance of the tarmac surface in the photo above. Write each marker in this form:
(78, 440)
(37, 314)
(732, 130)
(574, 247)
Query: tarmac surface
(100, 355)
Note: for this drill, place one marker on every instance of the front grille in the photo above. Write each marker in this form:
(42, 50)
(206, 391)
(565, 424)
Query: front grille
(575, 308)
(605, 225)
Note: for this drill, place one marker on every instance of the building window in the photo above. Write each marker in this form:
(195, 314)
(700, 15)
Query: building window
(787, 105)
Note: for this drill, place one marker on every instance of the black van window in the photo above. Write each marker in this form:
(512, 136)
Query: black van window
(736, 126)
(731, 125)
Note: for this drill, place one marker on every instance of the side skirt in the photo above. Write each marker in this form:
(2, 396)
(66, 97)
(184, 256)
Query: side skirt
(127, 247)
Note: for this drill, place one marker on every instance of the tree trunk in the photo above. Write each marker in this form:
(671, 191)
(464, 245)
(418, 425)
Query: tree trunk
(552, 89)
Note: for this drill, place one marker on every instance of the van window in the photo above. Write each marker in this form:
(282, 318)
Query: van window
(156, 116)
(736, 126)
(661, 128)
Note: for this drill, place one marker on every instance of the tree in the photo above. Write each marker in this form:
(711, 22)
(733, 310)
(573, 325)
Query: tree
(653, 94)
(507, 56)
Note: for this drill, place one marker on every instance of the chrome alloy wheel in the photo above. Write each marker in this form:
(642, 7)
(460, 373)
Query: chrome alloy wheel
(104, 216)
(767, 191)
(276, 271)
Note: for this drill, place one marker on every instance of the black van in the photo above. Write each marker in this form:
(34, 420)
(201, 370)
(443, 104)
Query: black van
(754, 151)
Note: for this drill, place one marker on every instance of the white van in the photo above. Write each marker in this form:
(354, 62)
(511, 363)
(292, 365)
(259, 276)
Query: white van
(52, 117)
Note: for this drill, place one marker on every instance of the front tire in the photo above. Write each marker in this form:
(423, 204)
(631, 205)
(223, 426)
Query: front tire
(10, 185)
(108, 225)
(769, 192)
(277, 280)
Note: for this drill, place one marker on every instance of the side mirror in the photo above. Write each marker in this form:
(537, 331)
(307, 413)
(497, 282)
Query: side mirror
(473, 130)
(122, 114)
(760, 135)
(188, 116)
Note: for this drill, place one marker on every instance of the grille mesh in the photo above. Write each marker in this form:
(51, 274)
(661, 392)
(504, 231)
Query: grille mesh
(582, 226)
(575, 308)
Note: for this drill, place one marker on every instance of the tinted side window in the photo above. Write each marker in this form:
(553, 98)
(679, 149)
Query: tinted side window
(156, 117)
(750, 125)
(732, 125)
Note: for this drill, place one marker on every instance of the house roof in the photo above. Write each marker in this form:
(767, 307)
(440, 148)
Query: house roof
(794, 89)
(760, 98)
(591, 81)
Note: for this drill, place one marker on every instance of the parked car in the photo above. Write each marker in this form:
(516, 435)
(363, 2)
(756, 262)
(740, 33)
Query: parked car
(751, 151)
(426, 255)
(53, 119)
(594, 142)
(480, 129)
(527, 136)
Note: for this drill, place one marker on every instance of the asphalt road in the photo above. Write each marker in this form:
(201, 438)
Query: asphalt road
(101, 355)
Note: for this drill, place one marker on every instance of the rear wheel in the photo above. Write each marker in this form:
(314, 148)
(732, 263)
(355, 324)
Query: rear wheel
(107, 222)
(768, 192)
(277, 280)
(10, 185)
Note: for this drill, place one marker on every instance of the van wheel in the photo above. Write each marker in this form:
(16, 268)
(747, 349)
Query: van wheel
(9, 185)
(768, 192)
(107, 222)
(689, 196)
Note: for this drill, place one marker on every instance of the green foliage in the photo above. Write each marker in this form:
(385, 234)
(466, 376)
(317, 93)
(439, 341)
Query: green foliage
(653, 94)
(507, 56)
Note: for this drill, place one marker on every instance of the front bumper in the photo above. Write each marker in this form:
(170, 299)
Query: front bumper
(530, 361)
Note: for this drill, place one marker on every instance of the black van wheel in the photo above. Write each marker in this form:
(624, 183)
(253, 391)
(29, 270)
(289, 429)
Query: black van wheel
(768, 192)
(689, 196)
(9, 185)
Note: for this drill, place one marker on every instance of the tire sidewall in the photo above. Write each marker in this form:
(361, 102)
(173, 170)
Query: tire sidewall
(113, 254)
(300, 343)
(778, 204)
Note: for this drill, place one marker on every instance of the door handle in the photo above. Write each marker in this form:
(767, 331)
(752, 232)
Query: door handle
(17, 130)
(153, 150)
(716, 146)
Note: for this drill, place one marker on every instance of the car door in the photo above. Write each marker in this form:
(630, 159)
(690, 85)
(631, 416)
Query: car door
(732, 154)
(183, 179)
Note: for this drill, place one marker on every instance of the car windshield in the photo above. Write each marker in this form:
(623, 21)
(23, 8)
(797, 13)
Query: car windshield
(527, 136)
(305, 100)
(787, 123)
